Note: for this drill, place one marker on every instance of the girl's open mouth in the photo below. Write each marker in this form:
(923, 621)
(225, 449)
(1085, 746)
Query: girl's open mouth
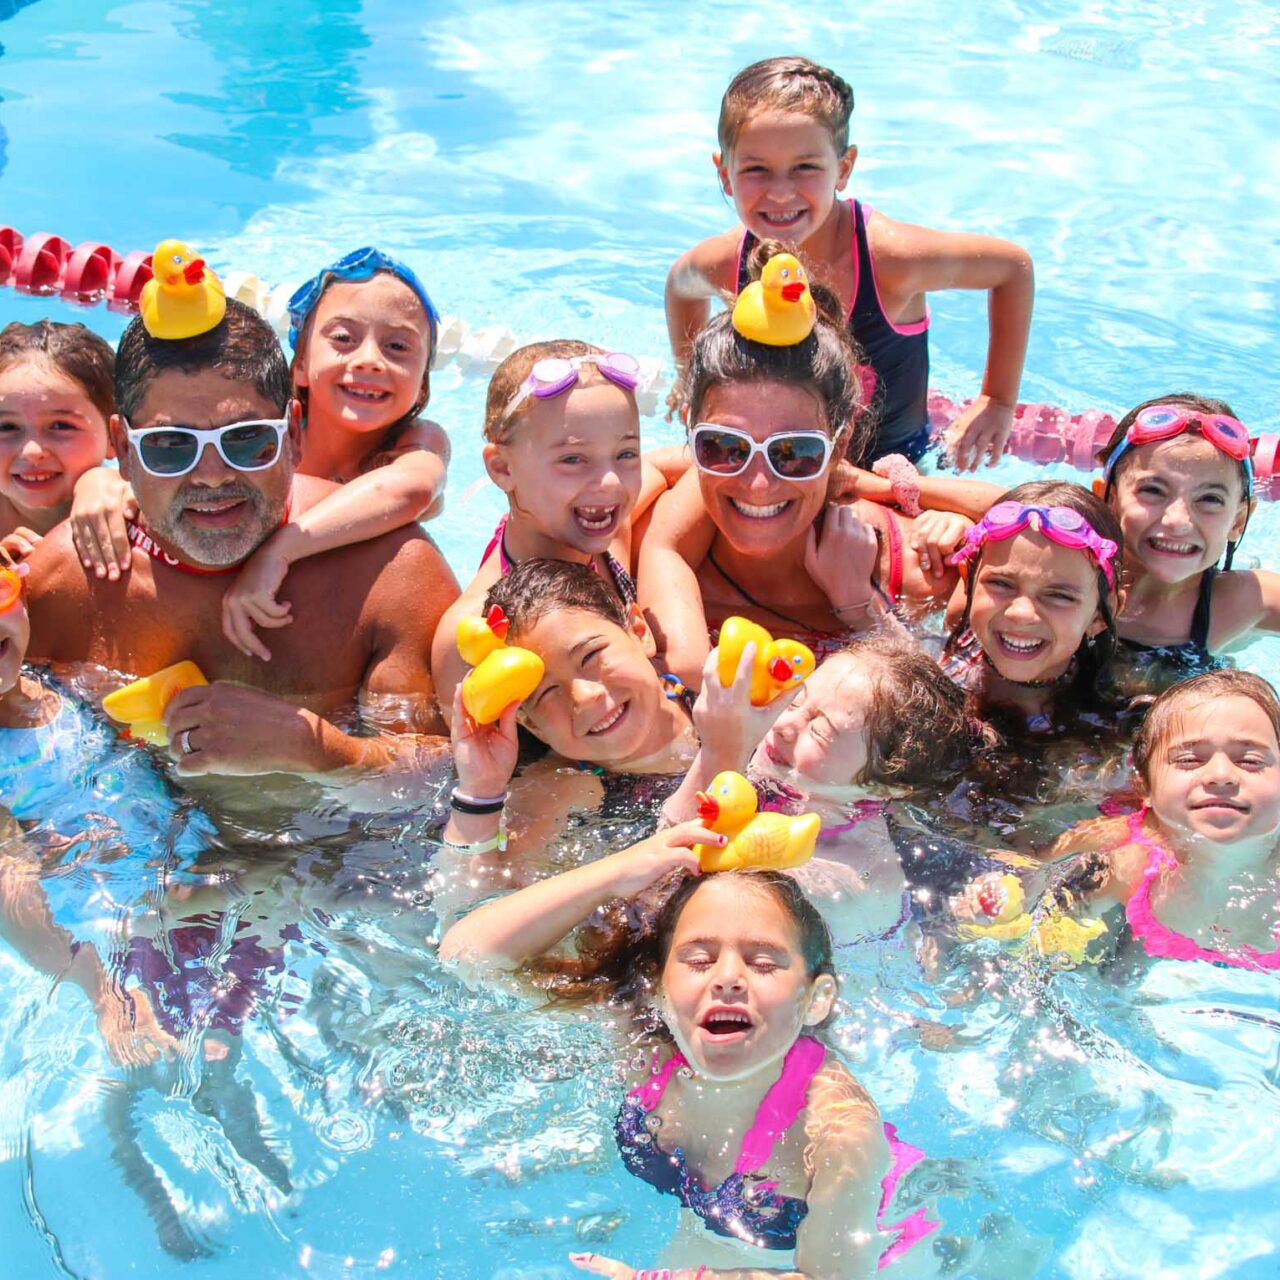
(722, 1024)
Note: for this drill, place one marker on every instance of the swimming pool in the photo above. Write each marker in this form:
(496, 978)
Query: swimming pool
(542, 168)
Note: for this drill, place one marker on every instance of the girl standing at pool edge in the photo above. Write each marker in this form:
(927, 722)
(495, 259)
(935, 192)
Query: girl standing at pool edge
(784, 155)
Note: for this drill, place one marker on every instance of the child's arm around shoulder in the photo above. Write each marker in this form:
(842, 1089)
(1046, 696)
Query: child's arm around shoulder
(911, 261)
(708, 270)
(398, 490)
(676, 542)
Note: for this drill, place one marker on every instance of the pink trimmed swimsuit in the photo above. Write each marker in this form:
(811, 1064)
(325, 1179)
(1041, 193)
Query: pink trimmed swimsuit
(746, 1205)
(897, 356)
(622, 581)
(1163, 942)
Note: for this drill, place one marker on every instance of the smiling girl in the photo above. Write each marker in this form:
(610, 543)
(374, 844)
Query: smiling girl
(562, 441)
(55, 399)
(1036, 615)
(1196, 866)
(1178, 474)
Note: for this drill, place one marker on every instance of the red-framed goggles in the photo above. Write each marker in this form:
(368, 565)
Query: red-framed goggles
(1063, 525)
(1164, 421)
(11, 577)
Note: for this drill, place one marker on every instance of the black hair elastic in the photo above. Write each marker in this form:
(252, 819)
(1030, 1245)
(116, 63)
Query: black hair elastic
(476, 806)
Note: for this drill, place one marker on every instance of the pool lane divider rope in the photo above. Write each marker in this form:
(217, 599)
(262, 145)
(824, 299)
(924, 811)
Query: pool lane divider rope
(45, 264)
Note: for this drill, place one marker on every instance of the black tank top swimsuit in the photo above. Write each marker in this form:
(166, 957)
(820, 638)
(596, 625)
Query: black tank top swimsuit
(1191, 657)
(896, 372)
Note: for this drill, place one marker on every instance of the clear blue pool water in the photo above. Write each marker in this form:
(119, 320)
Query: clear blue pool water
(541, 166)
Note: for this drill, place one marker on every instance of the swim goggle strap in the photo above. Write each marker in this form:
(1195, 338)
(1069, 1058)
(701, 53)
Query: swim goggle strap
(1164, 421)
(790, 455)
(555, 375)
(359, 264)
(174, 450)
(1060, 525)
(11, 577)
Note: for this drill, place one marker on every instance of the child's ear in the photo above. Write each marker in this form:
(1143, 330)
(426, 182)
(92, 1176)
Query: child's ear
(1243, 512)
(822, 995)
(847, 161)
(722, 172)
(641, 630)
(119, 443)
(298, 369)
(294, 414)
(498, 465)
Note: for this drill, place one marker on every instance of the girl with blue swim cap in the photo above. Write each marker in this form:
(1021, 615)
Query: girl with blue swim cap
(364, 331)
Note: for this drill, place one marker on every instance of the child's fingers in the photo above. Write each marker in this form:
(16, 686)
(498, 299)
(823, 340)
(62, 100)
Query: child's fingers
(266, 612)
(239, 630)
(742, 676)
(602, 1266)
(684, 835)
(118, 539)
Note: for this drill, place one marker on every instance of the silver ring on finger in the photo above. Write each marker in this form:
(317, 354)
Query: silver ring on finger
(184, 742)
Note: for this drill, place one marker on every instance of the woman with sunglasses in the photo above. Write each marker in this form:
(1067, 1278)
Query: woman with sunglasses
(1178, 473)
(562, 441)
(758, 527)
(1035, 624)
(363, 332)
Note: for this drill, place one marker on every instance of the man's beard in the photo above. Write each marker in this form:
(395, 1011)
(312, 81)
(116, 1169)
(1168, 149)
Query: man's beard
(218, 548)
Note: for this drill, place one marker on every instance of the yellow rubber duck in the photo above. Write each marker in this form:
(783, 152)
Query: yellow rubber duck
(778, 665)
(141, 705)
(777, 309)
(1052, 935)
(775, 840)
(183, 297)
(500, 674)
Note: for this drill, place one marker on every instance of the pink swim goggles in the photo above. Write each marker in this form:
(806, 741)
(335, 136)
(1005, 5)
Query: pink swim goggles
(556, 374)
(1062, 525)
(1164, 421)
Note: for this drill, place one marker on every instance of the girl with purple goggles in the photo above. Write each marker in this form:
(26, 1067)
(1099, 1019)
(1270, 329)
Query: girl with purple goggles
(1066, 527)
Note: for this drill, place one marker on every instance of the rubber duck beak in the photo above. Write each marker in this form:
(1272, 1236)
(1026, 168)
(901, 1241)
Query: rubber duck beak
(193, 272)
(780, 669)
(708, 807)
(792, 292)
(498, 622)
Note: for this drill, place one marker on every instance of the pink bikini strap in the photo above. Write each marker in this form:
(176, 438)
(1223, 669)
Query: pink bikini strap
(649, 1094)
(782, 1104)
(917, 1224)
(496, 541)
(893, 537)
(1158, 940)
(863, 811)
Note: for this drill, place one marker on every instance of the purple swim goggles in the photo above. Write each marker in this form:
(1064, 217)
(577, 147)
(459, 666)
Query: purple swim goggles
(556, 374)
(1062, 525)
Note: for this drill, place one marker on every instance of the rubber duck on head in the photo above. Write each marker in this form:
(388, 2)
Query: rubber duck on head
(183, 298)
(773, 840)
(778, 309)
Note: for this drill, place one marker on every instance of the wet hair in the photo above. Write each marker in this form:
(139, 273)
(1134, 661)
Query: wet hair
(303, 394)
(72, 349)
(1162, 719)
(242, 346)
(919, 729)
(825, 364)
(500, 424)
(535, 588)
(791, 84)
(1095, 652)
(1182, 400)
(621, 958)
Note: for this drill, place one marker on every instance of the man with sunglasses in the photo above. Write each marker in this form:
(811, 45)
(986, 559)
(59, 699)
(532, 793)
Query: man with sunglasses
(207, 435)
